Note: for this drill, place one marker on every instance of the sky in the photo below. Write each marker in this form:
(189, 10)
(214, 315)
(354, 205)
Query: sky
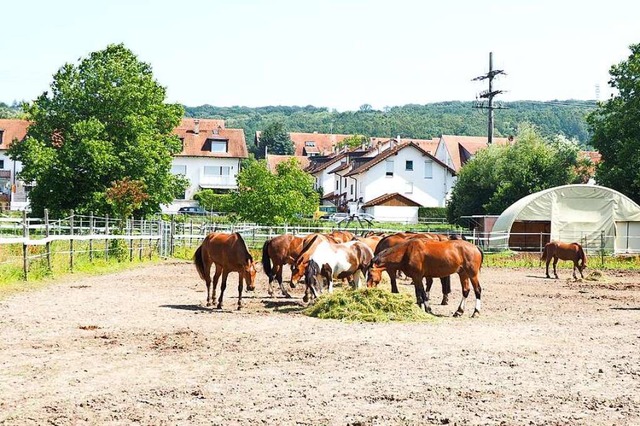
(332, 53)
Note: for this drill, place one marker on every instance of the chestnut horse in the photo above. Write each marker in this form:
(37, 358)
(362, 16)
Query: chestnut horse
(230, 254)
(401, 237)
(322, 260)
(421, 258)
(564, 251)
(281, 250)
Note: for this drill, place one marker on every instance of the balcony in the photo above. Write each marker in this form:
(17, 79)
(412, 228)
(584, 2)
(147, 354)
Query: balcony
(226, 182)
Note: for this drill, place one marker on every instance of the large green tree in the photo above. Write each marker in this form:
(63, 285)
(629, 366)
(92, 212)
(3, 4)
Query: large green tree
(275, 139)
(502, 174)
(103, 121)
(616, 129)
(274, 198)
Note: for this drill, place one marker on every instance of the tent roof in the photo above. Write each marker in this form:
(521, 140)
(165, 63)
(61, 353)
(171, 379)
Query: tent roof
(573, 202)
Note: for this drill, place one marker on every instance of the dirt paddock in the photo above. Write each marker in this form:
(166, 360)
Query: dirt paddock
(139, 347)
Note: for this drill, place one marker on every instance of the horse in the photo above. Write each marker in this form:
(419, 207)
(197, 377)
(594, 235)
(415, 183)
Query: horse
(230, 254)
(340, 236)
(323, 260)
(371, 241)
(281, 250)
(421, 258)
(401, 237)
(564, 251)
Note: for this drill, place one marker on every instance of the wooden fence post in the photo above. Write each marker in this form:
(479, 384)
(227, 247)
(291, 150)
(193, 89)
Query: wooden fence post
(131, 240)
(71, 242)
(46, 234)
(25, 248)
(172, 230)
(106, 240)
(91, 239)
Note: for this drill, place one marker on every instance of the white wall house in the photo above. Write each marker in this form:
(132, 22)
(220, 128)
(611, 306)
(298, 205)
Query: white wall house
(407, 170)
(13, 192)
(210, 158)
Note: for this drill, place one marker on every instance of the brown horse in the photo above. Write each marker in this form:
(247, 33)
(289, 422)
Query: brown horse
(322, 260)
(340, 236)
(421, 258)
(564, 251)
(230, 254)
(401, 237)
(281, 250)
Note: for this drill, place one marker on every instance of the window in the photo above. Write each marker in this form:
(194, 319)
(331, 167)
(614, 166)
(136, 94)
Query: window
(337, 185)
(345, 182)
(1, 135)
(428, 169)
(389, 168)
(217, 170)
(408, 165)
(408, 189)
(351, 190)
(177, 169)
(1, 164)
(218, 146)
(309, 143)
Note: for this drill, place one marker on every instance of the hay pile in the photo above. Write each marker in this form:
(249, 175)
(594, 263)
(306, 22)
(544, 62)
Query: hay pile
(367, 305)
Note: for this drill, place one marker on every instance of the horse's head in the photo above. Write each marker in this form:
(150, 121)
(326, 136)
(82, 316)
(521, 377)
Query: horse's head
(249, 271)
(313, 277)
(374, 273)
(298, 269)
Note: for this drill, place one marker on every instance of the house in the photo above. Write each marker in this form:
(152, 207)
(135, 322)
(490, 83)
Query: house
(13, 192)
(273, 160)
(311, 144)
(210, 157)
(405, 175)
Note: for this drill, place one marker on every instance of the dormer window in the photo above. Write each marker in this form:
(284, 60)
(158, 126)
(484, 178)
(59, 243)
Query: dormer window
(309, 143)
(1, 136)
(218, 146)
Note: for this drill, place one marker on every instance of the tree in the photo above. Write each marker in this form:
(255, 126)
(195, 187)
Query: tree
(616, 129)
(353, 141)
(276, 139)
(126, 196)
(502, 174)
(104, 120)
(278, 198)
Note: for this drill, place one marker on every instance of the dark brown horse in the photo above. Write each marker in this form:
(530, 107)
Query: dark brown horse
(401, 237)
(230, 254)
(564, 251)
(421, 258)
(281, 250)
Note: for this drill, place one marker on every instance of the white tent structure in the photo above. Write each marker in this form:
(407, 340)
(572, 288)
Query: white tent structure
(596, 216)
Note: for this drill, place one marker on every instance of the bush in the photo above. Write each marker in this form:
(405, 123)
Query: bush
(432, 212)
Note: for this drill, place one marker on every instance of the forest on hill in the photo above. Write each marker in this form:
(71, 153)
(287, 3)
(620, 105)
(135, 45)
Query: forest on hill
(412, 121)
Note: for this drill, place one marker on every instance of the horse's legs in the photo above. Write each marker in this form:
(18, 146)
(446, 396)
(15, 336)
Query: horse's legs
(225, 274)
(446, 289)
(240, 283)
(284, 291)
(291, 283)
(555, 262)
(548, 261)
(392, 277)
(478, 292)
(422, 300)
(464, 282)
(211, 297)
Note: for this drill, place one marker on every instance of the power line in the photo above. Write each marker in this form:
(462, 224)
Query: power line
(489, 95)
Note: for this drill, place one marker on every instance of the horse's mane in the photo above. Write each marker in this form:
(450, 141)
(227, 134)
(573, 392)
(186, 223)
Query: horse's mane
(305, 248)
(244, 244)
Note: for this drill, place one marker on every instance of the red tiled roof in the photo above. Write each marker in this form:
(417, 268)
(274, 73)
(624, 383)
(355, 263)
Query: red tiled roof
(273, 160)
(389, 152)
(381, 200)
(13, 128)
(594, 156)
(199, 144)
(323, 142)
(462, 147)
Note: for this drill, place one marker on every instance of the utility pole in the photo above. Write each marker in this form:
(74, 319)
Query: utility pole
(489, 95)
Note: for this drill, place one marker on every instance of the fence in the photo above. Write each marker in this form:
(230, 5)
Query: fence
(104, 237)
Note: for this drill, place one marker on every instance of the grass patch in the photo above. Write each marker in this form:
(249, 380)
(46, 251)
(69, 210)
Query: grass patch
(367, 305)
(512, 259)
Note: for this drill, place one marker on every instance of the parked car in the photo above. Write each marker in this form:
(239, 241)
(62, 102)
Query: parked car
(194, 211)
(338, 217)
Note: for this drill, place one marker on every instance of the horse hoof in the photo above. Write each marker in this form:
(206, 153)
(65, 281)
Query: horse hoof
(457, 314)
(239, 307)
(219, 307)
(476, 314)
(292, 285)
(287, 295)
(305, 299)
(445, 300)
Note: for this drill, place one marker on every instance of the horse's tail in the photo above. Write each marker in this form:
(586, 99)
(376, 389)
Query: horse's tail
(481, 257)
(544, 254)
(266, 261)
(582, 256)
(199, 262)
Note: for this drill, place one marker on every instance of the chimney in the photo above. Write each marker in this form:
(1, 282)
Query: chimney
(216, 131)
(196, 126)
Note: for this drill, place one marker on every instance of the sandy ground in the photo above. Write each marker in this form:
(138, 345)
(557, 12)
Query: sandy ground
(139, 347)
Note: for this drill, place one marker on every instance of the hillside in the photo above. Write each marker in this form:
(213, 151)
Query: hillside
(417, 121)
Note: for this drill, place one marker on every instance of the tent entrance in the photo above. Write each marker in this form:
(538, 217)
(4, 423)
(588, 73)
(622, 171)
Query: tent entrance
(529, 235)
